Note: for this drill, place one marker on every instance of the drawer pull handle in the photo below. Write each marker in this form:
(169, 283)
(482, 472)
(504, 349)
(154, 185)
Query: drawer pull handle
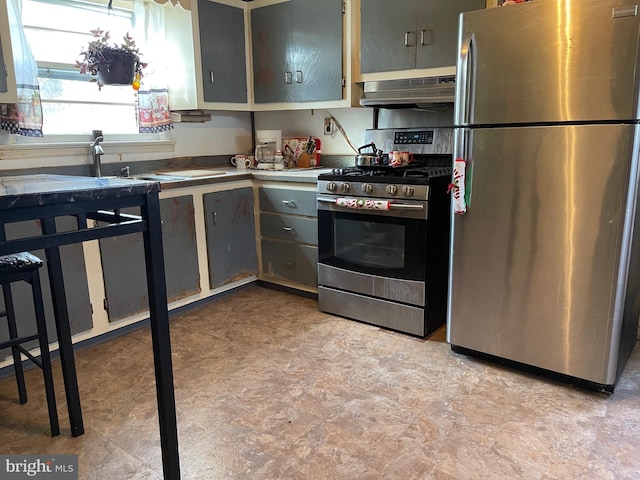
(289, 229)
(289, 264)
(290, 203)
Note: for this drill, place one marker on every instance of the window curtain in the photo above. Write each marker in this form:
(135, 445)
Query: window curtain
(186, 4)
(153, 97)
(24, 117)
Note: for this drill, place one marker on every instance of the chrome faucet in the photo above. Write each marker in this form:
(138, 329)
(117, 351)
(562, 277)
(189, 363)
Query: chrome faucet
(96, 152)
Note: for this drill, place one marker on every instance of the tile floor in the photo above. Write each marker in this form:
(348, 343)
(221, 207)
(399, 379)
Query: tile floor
(267, 387)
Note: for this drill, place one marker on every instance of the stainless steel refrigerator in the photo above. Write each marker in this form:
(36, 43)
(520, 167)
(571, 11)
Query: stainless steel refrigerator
(545, 263)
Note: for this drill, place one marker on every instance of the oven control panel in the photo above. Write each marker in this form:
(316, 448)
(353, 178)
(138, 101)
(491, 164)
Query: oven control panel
(419, 141)
(423, 137)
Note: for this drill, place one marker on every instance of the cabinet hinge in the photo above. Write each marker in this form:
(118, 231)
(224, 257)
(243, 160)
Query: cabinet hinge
(105, 304)
(344, 7)
(344, 82)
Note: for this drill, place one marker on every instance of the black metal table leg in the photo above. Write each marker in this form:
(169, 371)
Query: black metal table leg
(63, 328)
(159, 319)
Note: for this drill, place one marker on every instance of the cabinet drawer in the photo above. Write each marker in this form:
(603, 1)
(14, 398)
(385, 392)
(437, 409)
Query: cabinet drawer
(288, 227)
(290, 261)
(282, 200)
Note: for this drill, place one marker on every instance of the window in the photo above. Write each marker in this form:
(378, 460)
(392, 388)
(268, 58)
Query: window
(57, 30)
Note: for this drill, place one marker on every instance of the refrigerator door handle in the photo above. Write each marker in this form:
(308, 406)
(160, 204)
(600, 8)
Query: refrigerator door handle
(462, 150)
(465, 83)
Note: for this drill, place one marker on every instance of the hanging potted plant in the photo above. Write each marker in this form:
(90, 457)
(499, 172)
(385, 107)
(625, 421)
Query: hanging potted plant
(111, 63)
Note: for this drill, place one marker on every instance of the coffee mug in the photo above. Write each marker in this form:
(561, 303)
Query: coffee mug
(407, 157)
(240, 161)
(395, 159)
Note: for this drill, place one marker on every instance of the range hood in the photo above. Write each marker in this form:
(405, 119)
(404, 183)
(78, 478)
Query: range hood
(409, 93)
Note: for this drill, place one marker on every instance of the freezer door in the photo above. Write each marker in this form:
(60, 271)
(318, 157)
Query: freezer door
(537, 258)
(548, 61)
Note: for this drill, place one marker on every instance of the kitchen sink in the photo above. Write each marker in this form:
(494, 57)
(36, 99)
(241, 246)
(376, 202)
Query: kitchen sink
(158, 177)
(178, 175)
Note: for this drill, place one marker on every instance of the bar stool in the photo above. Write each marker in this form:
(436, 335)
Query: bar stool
(24, 267)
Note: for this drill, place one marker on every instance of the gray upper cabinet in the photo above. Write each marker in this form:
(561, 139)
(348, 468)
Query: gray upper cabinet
(222, 46)
(269, 39)
(3, 75)
(409, 34)
(231, 235)
(8, 92)
(297, 51)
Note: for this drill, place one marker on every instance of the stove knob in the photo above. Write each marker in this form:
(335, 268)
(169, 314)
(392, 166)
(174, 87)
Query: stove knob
(367, 188)
(407, 191)
(391, 190)
(344, 188)
(331, 186)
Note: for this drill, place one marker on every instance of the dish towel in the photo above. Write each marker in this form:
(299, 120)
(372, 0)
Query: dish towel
(458, 187)
(364, 204)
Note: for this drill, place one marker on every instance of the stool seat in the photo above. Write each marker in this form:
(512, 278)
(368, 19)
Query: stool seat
(24, 267)
(19, 262)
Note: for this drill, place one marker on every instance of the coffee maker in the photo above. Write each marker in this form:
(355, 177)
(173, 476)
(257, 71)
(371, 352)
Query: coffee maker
(268, 143)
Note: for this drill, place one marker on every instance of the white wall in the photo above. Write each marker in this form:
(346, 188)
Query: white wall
(303, 123)
(226, 133)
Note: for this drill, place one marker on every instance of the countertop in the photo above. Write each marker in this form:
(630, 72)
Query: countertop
(44, 189)
(303, 175)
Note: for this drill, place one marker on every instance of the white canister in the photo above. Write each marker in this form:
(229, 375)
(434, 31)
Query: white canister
(278, 161)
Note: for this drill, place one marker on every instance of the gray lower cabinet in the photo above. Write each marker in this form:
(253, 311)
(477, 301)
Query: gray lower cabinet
(75, 282)
(231, 236)
(409, 34)
(288, 200)
(289, 228)
(289, 237)
(123, 265)
(290, 262)
(222, 45)
(297, 51)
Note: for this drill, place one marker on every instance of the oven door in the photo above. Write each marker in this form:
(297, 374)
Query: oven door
(381, 243)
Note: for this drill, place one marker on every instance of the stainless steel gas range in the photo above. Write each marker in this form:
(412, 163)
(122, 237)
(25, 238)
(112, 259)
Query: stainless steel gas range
(383, 234)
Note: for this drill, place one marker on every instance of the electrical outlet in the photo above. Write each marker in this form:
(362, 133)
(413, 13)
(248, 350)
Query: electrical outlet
(329, 126)
(96, 133)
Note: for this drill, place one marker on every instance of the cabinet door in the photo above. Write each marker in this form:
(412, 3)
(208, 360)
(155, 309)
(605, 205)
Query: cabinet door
(388, 34)
(223, 52)
(437, 34)
(8, 92)
(231, 237)
(315, 53)
(123, 268)
(75, 281)
(270, 37)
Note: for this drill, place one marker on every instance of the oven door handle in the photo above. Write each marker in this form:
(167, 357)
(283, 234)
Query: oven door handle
(392, 206)
(405, 206)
